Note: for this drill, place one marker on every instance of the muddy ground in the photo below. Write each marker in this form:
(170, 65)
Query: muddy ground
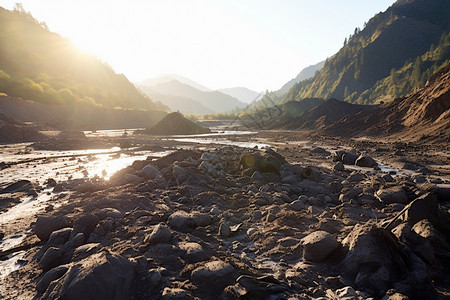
(301, 221)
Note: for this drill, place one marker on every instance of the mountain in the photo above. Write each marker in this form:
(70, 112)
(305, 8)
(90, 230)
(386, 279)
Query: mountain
(270, 99)
(304, 74)
(393, 55)
(177, 103)
(175, 123)
(423, 115)
(42, 66)
(213, 100)
(167, 78)
(242, 94)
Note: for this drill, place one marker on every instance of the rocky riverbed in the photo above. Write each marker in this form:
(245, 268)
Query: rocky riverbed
(316, 218)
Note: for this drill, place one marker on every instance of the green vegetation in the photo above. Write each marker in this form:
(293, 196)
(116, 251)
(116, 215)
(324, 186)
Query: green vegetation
(39, 65)
(393, 55)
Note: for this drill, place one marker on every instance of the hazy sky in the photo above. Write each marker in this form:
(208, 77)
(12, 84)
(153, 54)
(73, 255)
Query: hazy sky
(259, 44)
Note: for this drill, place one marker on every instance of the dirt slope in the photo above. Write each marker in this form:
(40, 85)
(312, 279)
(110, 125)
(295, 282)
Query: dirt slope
(423, 115)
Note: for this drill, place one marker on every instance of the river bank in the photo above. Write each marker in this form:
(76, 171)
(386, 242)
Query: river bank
(218, 220)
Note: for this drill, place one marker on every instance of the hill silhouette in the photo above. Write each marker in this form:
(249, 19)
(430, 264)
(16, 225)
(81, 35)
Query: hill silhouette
(42, 66)
(212, 100)
(175, 123)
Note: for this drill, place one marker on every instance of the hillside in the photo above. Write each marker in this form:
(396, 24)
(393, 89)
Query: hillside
(40, 65)
(393, 55)
(279, 116)
(14, 131)
(177, 103)
(424, 115)
(270, 99)
(212, 100)
(304, 74)
(80, 117)
(243, 94)
(170, 77)
(176, 124)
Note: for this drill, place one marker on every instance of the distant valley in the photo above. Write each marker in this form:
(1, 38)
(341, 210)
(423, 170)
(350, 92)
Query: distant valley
(188, 97)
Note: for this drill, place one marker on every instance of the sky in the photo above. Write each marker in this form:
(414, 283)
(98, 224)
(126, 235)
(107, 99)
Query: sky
(258, 44)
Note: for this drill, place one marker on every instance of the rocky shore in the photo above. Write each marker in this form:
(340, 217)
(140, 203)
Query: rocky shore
(232, 223)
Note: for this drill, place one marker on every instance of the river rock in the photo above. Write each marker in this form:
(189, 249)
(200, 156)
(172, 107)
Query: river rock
(365, 160)
(318, 245)
(297, 205)
(418, 244)
(84, 223)
(175, 293)
(181, 220)
(45, 225)
(224, 230)
(150, 172)
(339, 166)
(50, 276)
(376, 261)
(59, 237)
(349, 158)
(391, 195)
(51, 258)
(100, 276)
(160, 234)
(109, 212)
(213, 272)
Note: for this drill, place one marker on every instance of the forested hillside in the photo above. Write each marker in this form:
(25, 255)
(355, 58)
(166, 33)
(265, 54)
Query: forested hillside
(42, 66)
(390, 57)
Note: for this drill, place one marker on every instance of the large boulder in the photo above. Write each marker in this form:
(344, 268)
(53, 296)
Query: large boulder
(365, 161)
(45, 225)
(376, 262)
(212, 273)
(182, 221)
(391, 195)
(318, 245)
(100, 276)
(160, 234)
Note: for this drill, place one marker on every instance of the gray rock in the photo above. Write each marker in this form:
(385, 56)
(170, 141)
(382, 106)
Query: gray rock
(418, 244)
(130, 178)
(109, 212)
(355, 177)
(150, 172)
(388, 178)
(339, 166)
(391, 195)
(182, 221)
(224, 230)
(290, 179)
(193, 252)
(175, 293)
(318, 245)
(84, 251)
(160, 234)
(257, 176)
(59, 237)
(45, 225)
(84, 223)
(209, 157)
(75, 241)
(50, 276)
(100, 276)
(297, 205)
(349, 158)
(51, 258)
(314, 201)
(365, 161)
(180, 174)
(213, 272)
